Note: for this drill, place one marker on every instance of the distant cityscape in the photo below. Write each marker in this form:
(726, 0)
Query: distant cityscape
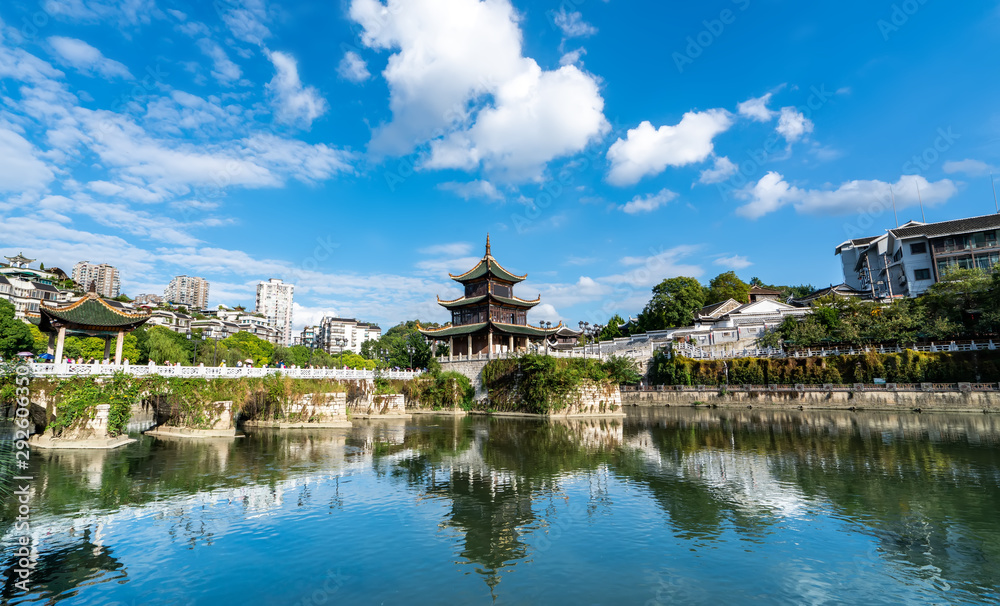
(183, 307)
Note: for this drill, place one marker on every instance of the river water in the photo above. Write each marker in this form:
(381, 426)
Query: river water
(668, 506)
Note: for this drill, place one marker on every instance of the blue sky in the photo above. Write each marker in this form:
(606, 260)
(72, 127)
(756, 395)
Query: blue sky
(361, 150)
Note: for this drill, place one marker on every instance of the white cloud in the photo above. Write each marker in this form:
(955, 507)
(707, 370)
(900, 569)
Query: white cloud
(773, 192)
(119, 12)
(972, 168)
(246, 19)
(573, 57)
(293, 103)
(793, 125)
(22, 168)
(649, 202)
(756, 109)
(473, 189)
(720, 171)
(733, 262)
(459, 69)
(223, 69)
(572, 24)
(451, 249)
(352, 67)
(767, 195)
(544, 312)
(87, 59)
(648, 151)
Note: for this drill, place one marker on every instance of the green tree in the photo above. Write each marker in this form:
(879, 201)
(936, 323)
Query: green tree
(727, 286)
(613, 329)
(40, 339)
(296, 355)
(15, 336)
(164, 345)
(251, 346)
(673, 303)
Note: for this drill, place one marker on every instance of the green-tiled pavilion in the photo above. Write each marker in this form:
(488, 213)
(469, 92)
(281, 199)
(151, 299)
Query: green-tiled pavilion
(90, 316)
(489, 318)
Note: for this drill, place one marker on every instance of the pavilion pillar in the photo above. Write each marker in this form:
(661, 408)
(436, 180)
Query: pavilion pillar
(451, 348)
(59, 344)
(119, 345)
(511, 344)
(489, 345)
(107, 348)
(469, 351)
(51, 349)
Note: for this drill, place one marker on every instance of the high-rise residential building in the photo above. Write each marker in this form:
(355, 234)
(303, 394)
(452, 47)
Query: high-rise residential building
(102, 278)
(274, 301)
(188, 290)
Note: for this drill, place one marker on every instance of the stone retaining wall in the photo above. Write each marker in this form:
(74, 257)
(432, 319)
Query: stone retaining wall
(592, 400)
(311, 410)
(384, 405)
(90, 433)
(954, 401)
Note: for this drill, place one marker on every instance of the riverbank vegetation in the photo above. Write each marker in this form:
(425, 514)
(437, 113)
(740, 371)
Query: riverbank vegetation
(542, 384)
(910, 366)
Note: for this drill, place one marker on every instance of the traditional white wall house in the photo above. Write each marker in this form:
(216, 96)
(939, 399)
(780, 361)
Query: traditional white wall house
(730, 325)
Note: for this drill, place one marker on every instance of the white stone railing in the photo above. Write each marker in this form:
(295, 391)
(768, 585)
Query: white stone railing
(212, 372)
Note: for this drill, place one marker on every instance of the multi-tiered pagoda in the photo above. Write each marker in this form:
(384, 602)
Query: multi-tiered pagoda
(489, 319)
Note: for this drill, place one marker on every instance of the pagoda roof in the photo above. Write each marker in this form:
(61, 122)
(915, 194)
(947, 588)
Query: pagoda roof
(502, 328)
(89, 313)
(512, 301)
(488, 266)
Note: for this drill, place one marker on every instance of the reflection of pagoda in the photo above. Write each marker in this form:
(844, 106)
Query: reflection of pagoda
(491, 508)
(488, 318)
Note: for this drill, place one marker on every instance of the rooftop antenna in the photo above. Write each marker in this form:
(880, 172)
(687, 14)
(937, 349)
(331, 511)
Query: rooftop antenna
(994, 193)
(893, 196)
(922, 219)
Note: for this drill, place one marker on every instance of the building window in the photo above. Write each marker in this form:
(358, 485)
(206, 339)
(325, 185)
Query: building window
(919, 248)
(922, 274)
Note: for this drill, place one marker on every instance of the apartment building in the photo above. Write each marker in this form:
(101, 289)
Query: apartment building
(102, 278)
(274, 302)
(187, 290)
(345, 334)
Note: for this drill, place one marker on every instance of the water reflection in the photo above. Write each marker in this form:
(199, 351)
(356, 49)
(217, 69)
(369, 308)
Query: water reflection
(922, 490)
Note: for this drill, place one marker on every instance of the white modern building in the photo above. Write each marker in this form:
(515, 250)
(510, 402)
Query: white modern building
(907, 260)
(345, 334)
(173, 320)
(26, 287)
(103, 278)
(187, 290)
(274, 302)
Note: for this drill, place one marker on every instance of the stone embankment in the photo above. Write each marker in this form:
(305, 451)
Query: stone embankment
(960, 397)
(311, 410)
(90, 433)
(218, 424)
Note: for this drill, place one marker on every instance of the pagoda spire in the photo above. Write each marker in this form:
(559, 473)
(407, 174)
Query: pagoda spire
(488, 253)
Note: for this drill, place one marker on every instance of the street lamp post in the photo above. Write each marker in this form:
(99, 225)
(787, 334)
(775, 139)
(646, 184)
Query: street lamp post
(197, 339)
(410, 349)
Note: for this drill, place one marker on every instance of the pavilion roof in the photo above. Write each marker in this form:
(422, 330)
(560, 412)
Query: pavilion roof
(499, 328)
(89, 313)
(512, 301)
(488, 266)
